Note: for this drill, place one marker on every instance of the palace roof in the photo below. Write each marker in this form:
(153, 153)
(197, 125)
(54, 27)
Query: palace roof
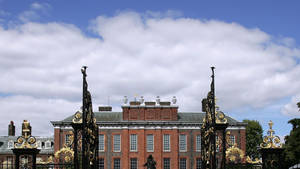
(108, 117)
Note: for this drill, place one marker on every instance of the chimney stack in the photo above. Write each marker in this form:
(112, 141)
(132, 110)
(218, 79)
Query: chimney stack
(11, 129)
(26, 128)
(105, 108)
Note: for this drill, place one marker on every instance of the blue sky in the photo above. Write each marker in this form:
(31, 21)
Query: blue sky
(278, 18)
(253, 44)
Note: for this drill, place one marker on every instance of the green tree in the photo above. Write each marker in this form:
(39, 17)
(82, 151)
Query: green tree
(254, 136)
(292, 143)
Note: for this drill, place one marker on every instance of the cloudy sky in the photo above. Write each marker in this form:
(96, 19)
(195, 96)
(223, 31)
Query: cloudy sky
(148, 48)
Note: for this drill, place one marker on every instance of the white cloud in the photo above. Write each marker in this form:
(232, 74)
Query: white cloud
(27, 16)
(37, 6)
(291, 109)
(146, 55)
(39, 112)
(36, 9)
(168, 13)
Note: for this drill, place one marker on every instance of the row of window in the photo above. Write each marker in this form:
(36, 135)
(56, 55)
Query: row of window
(150, 142)
(47, 145)
(134, 163)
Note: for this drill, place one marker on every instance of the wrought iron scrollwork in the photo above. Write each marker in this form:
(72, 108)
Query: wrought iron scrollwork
(235, 154)
(77, 117)
(271, 141)
(66, 152)
(271, 149)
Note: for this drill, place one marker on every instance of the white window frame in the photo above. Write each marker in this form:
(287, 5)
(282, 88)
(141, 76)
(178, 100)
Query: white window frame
(119, 143)
(185, 143)
(39, 144)
(48, 142)
(102, 150)
(10, 144)
(67, 138)
(198, 143)
(148, 141)
(167, 146)
(132, 144)
(232, 139)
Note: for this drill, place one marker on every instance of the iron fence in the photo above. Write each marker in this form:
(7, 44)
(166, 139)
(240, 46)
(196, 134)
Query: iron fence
(7, 166)
(40, 166)
(55, 166)
(243, 166)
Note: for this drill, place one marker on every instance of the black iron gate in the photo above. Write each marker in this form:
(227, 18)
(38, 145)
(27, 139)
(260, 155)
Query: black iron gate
(55, 166)
(85, 143)
(243, 166)
(39, 166)
(208, 141)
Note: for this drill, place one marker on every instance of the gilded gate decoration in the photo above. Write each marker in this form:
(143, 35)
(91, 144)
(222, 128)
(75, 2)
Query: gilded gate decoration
(26, 140)
(25, 148)
(271, 141)
(66, 154)
(85, 131)
(235, 154)
(271, 150)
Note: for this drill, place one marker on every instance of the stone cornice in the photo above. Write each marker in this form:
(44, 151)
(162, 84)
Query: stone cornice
(147, 124)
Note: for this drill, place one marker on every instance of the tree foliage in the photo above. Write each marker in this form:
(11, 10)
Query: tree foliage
(254, 136)
(292, 143)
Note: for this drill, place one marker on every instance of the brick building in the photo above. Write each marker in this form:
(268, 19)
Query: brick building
(127, 138)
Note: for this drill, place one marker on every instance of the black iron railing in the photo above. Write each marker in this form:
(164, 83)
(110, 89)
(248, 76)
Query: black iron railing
(7, 166)
(40, 166)
(55, 166)
(243, 166)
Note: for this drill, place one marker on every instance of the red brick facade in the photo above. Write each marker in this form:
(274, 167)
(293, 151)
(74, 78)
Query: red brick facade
(143, 120)
(150, 112)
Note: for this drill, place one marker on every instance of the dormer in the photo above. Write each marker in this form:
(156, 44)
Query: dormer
(39, 144)
(48, 144)
(10, 144)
